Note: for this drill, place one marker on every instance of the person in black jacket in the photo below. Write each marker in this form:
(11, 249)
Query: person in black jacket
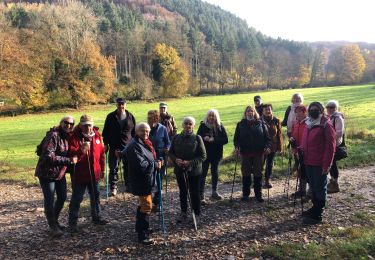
(252, 142)
(258, 105)
(142, 164)
(187, 153)
(214, 137)
(119, 129)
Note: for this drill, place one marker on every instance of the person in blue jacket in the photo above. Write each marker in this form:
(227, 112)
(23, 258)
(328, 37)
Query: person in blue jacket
(161, 143)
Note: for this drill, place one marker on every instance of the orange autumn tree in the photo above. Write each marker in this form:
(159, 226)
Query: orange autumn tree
(169, 71)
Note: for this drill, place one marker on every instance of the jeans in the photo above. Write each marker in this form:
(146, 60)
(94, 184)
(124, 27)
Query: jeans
(214, 174)
(269, 165)
(317, 182)
(77, 197)
(334, 171)
(193, 182)
(53, 208)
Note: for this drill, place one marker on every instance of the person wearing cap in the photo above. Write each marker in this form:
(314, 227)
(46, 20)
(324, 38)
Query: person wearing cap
(51, 168)
(317, 148)
(258, 105)
(86, 144)
(167, 120)
(119, 129)
(337, 120)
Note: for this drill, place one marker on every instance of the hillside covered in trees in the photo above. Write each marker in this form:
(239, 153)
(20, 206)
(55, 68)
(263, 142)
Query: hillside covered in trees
(62, 53)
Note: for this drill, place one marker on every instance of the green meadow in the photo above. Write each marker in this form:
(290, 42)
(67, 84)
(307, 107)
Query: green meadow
(20, 135)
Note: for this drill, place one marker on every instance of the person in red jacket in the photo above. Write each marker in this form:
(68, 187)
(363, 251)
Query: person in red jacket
(318, 148)
(86, 143)
(295, 140)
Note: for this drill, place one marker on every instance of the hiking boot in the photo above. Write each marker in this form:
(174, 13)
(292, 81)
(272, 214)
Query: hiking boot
(146, 241)
(127, 189)
(55, 232)
(182, 217)
(114, 192)
(203, 200)
(299, 194)
(333, 186)
(267, 185)
(308, 213)
(74, 229)
(245, 199)
(312, 220)
(99, 221)
(61, 227)
(216, 196)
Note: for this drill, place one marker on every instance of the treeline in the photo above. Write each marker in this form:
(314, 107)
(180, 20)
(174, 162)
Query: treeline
(68, 53)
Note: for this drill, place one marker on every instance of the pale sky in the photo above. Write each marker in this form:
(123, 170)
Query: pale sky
(307, 20)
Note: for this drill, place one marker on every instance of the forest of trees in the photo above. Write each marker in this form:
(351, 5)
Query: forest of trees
(61, 53)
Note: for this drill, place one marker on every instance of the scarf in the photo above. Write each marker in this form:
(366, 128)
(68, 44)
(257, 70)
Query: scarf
(212, 127)
(89, 136)
(148, 144)
(291, 117)
(310, 122)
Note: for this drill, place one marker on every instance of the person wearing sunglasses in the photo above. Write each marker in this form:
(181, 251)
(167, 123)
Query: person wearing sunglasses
(51, 168)
(187, 153)
(317, 148)
(337, 120)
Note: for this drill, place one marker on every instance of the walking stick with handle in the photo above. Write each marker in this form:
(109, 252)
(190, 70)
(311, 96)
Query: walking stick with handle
(92, 185)
(106, 176)
(189, 199)
(162, 224)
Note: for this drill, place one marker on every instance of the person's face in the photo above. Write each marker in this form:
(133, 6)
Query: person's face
(258, 102)
(249, 112)
(87, 129)
(300, 115)
(67, 125)
(121, 106)
(211, 118)
(151, 119)
(143, 133)
(188, 126)
(296, 100)
(163, 110)
(267, 111)
(331, 109)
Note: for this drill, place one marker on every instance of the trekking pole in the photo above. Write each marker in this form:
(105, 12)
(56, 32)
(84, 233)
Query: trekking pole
(189, 199)
(234, 177)
(162, 224)
(295, 194)
(92, 185)
(106, 176)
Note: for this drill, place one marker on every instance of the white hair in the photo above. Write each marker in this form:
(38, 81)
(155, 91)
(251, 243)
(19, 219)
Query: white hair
(67, 118)
(216, 114)
(142, 125)
(298, 95)
(188, 119)
(333, 103)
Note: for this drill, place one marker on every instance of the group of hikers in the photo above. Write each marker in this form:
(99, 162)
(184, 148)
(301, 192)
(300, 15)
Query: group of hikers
(144, 150)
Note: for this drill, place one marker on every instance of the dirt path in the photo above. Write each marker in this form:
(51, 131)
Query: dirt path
(227, 229)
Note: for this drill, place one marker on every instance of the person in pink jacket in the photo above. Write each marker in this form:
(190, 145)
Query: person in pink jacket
(318, 149)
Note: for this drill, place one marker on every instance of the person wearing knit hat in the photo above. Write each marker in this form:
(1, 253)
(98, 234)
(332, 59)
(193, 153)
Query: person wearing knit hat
(318, 149)
(337, 119)
(86, 144)
(118, 131)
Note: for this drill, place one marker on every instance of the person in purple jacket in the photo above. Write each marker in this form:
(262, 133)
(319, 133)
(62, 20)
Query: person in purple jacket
(51, 168)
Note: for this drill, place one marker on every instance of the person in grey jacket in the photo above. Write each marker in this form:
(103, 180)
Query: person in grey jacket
(187, 152)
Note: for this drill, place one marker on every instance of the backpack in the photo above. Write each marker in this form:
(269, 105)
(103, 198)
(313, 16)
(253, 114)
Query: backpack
(341, 150)
(43, 144)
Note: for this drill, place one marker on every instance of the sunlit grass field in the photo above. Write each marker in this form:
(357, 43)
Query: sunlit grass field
(20, 135)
